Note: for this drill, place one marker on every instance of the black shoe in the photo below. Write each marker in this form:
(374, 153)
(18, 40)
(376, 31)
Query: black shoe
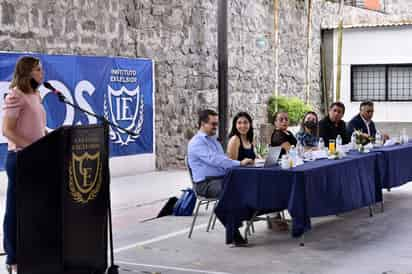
(239, 240)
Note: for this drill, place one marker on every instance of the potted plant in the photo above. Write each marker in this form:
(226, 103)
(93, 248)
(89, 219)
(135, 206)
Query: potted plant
(294, 106)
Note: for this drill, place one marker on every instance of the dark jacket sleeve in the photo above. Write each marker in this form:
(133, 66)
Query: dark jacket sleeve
(372, 128)
(323, 132)
(345, 136)
(351, 127)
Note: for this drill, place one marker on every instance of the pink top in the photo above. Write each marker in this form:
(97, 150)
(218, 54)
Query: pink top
(30, 114)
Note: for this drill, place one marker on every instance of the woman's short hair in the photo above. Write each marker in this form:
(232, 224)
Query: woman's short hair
(22, 73)
(234, 131)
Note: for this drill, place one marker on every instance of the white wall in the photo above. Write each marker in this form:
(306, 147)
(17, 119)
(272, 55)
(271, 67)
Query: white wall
(377, 45)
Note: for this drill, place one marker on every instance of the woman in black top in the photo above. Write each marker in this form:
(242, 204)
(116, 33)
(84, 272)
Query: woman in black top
(240, 144)
(281, 136)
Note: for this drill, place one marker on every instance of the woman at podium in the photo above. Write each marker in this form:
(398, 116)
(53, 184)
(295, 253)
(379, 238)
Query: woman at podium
(24, 122)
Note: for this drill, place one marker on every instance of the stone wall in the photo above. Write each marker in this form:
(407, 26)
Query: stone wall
(181, 37)
(89, 27)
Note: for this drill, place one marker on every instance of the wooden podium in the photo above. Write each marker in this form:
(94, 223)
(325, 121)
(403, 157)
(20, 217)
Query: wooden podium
(62, 202)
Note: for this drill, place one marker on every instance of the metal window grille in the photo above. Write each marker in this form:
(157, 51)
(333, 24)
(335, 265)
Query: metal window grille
(400, 83)
(381, 82)
(368, 83)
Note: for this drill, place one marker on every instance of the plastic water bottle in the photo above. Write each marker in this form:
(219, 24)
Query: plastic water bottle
(338, 142)
(405, 137)
(378, 138)
(300, 150)
(402, 136)
(353, 140)
(293, 153)
(321, 144)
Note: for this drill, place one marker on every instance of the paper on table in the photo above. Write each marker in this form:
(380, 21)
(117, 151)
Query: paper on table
(319, 154)
(389, 142)
(346, 148)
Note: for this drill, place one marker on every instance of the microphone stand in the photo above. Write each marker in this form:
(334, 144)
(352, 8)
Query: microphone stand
(113, 269)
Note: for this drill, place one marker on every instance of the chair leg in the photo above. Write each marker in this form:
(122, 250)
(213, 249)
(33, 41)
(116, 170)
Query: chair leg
(370, 211)
(212, 218)
(247, 230)
(214, 215)
(194, 218)
(282, 215)
(207, 205)
(249, 224)
(269, 223)
(253, 226)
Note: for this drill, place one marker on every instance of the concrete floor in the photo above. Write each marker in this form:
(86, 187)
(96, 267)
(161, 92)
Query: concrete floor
(352, 243)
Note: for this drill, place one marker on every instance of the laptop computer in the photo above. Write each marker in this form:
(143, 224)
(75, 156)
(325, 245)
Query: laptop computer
(271, 158)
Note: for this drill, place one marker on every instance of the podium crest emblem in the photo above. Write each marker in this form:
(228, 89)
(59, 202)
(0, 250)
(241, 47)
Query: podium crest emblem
(85, 172)
(124, 108)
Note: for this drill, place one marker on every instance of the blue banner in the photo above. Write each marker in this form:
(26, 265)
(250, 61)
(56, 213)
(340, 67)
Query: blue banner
(121, 89)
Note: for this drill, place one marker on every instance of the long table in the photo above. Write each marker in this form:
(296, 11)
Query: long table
(315, 189)
(396, 165)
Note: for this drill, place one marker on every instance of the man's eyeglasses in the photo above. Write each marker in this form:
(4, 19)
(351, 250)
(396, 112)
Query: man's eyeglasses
(215, 124)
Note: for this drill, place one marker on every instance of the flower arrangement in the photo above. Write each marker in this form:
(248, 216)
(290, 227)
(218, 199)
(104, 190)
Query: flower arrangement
(362, 138)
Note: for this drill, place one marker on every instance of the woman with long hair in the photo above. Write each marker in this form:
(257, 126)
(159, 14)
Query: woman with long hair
(24, 122)
(240, 144)
(308, 135)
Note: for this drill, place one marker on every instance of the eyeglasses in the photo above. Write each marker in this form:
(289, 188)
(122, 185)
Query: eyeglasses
(281, 119)
(215, 124)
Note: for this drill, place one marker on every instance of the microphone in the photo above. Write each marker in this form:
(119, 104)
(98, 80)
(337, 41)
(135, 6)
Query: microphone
(54, 90)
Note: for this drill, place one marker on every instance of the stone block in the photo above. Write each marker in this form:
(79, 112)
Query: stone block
(8, 13)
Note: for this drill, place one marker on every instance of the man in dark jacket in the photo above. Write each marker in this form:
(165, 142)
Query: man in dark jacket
(332, 125)
(363, 121)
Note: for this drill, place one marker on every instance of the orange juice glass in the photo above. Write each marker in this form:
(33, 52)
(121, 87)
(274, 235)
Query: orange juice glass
(332, 146)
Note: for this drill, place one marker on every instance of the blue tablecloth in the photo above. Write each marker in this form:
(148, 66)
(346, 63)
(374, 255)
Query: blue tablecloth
(318, 188)
(397, 165)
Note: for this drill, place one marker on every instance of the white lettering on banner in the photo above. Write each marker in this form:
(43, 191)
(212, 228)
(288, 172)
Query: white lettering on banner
(123, 76)
(63, 89)
(124, 72)
(122, 106)
(78, 95)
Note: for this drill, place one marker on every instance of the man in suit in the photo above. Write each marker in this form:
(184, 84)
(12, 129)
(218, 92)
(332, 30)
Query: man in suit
(363, 121)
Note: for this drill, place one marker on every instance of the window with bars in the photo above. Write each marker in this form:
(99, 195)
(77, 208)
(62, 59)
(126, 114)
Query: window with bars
(381, 82)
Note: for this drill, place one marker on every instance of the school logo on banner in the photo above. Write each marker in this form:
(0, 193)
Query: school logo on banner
(124, 108)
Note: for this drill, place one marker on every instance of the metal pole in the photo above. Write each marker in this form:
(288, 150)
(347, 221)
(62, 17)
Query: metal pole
(308, 50)
(276, 48)
(222, 69)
